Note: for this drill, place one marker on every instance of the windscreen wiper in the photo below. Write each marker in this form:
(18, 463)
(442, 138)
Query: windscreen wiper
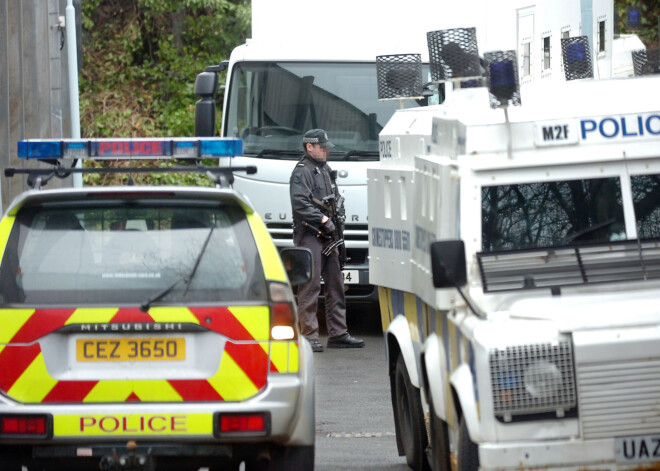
(581, 236)
(144, 307)
(294, 154)
(356, 154)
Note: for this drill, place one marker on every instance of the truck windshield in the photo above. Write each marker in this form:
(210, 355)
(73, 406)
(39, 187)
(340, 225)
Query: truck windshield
(271, 104)
(121, 253)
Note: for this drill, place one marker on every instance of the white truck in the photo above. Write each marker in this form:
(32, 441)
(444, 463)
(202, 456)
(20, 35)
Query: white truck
(518, 269)
(312, 64)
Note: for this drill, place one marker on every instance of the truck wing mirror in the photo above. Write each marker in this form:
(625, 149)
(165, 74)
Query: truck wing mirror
(448, 263)
(222, 66)
(298, 264)
(206, 84)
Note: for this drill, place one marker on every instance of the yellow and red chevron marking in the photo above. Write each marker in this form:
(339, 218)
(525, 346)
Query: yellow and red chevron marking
(243, 369)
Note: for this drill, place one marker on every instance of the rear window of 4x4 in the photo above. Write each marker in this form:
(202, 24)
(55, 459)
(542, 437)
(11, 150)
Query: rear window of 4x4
(86, 252)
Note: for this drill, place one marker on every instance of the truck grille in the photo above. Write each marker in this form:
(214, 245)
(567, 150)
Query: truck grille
(618, 399)
(352, 232)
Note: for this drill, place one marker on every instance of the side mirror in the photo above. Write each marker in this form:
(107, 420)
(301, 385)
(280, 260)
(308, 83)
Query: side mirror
(448, 264)
(298, 264)
(206, 85)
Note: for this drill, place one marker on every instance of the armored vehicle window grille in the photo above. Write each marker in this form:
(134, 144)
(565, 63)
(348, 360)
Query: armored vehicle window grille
(576, 55)
(453, 54)
(646, 62)
(565, 266)
(399, 76)
(535, 378)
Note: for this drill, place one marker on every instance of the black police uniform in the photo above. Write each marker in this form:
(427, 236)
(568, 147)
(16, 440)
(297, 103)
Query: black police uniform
(311, 179)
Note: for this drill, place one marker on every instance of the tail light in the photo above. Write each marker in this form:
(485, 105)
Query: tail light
(25, 426)
(243, 424)
(283, 314)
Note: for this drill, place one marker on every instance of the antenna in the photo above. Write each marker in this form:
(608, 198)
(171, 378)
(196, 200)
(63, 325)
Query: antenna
(454, 55)
(399, 77)
(577, 58)
(503, 84)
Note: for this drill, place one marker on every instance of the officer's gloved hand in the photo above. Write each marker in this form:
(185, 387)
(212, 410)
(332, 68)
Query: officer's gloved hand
(328, 226)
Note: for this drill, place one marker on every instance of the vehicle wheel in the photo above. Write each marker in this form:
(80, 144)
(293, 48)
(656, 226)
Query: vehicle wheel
(10, 465)
(440, 460)
(468, 453)
(12, 461)
(225, 466)
(292, 457)
(410, 419)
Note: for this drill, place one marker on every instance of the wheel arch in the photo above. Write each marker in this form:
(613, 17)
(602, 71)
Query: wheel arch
(399, 343)
(464, 397)
(432, 361)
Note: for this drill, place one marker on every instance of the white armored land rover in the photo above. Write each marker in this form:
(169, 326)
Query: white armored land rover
(518, 265)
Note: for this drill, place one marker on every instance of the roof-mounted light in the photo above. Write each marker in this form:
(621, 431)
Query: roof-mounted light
(502, 73)
(39, 149)
(576, 56)
(633, 18)
(130, 149)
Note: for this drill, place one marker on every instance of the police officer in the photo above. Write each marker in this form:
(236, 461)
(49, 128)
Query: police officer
(311, 181)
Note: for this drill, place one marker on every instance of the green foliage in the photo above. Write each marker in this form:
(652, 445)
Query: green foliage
(141, 57)
(140, 61)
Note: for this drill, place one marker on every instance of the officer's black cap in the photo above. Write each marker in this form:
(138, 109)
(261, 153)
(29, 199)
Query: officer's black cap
(317, 136)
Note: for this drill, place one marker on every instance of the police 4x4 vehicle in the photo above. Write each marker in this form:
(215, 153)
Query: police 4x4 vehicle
(145, 326)
(517, 254)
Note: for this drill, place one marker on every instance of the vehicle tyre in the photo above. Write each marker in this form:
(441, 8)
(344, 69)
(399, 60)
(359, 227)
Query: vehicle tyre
(440, 456)
(468, 453)
(226, 466)
(10, 464)
(292, 457)
(410, 419)
(13, 461)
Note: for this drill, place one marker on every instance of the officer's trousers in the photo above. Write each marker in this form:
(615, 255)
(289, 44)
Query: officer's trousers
(333, 289)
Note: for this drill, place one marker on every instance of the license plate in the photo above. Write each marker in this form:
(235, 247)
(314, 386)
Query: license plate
(351, 277)
(638, 449)
(131, 349)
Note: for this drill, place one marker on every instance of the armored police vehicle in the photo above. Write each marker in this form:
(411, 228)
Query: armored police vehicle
(516, 250)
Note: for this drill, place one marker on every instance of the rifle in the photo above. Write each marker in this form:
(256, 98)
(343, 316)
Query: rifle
(334, 209)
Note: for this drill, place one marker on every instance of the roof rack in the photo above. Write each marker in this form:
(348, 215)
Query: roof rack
(63, 154)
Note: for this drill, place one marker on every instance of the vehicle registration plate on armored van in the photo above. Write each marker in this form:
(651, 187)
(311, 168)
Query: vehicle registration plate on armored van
(637, 449)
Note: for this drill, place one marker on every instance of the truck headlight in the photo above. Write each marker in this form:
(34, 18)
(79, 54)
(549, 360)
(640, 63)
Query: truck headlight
(532, 379)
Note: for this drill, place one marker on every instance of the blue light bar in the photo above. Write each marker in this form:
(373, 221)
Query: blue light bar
(130, 149)
(39, 149)
(221, 147)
